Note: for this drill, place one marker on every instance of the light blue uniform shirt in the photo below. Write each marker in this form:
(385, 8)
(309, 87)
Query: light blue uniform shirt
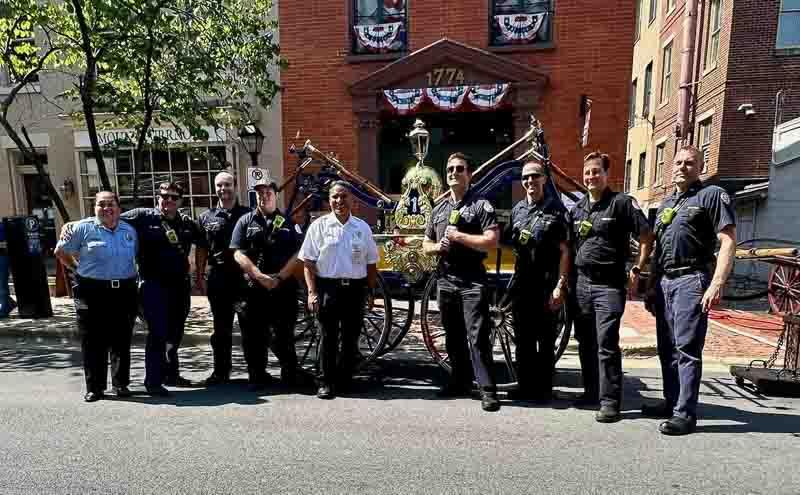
(104, 254)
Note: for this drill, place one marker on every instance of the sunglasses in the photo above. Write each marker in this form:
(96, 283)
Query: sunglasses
(459, 169)
(531, 176)
(173, 197)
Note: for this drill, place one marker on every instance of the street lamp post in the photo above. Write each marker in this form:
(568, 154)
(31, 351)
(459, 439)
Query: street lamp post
(419, 137)
(252, 139)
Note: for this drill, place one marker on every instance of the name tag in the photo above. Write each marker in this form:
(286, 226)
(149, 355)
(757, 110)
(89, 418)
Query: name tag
(94, 244)
(358, 253)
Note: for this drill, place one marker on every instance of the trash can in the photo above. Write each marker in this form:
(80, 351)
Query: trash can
(26, 260)
(6, 303)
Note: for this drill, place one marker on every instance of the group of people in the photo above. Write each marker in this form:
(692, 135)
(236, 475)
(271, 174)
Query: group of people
(578, 258)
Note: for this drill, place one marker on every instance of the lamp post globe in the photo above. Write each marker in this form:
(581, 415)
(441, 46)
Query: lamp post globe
(252, 140)
(420, 138)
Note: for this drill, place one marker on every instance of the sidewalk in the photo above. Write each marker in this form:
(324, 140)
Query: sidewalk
(729, 341)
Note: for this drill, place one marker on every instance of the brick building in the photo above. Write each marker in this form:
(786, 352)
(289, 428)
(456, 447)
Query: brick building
(746, 52)
(360, 71)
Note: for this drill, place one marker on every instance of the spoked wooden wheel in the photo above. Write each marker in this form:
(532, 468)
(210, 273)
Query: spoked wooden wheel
(784, 289)
(502, 334)
(374, 328)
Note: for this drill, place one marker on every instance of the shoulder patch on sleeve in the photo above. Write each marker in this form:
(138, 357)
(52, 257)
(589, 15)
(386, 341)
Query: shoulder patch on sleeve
(488, 207)
(725, 198)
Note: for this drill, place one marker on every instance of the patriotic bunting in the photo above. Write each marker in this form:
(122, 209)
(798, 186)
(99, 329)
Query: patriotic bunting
(520, 28)
(378, 37)
(449, 99)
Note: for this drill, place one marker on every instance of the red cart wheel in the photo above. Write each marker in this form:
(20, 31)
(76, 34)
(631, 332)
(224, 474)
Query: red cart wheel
(784, 290)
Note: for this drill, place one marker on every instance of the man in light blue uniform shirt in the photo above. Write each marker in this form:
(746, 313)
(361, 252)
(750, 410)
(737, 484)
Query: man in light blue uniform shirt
(102, 252)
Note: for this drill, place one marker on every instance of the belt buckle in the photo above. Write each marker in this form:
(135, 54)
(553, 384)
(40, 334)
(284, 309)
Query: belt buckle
(345, 282)
(115, 284)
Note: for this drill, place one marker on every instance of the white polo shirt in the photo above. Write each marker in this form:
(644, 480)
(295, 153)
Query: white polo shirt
(339, 250)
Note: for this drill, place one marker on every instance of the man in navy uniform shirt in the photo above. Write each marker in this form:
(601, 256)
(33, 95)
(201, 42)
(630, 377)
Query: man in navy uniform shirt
(462, 229)
(102, 250)
(165, 239)
(603, 223)
(265, 243)
(539, 233)
(688, 225)
(225, 281)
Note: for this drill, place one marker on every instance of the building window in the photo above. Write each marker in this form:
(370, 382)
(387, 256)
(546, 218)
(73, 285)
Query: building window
(632, 106)
(659, 167)
(666, 73)
(653, 11)
(379, 26)
(704, 140)
(642, 170)
(627, 185)
(648, 89)
(789, 25)
(22, 53)
(516, 22)
(638, 28)
(714, 28)
(670, 6)
(193, 167)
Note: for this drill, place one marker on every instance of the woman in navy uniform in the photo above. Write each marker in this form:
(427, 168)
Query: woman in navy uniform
(539, 232)
(462, 229)
(682, 290)
(102, 252)
(265, 244)
(165, 237)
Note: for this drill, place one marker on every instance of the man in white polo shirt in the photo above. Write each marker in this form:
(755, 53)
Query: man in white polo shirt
(339, 256)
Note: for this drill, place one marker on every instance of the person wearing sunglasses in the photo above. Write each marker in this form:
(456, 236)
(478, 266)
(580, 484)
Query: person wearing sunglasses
(538, 231)
(165, 240)
(462, 229)
(101, 252)
(603, 223)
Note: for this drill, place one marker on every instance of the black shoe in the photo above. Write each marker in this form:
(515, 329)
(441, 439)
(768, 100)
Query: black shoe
(452, 390)
(122, 392)
(489, 402)
(158, 391)
(586, 401)
(677, 425)
(217, 379)
(607, 414)
(325, 392)
(92, 397)
(661, 410)
(178, 381)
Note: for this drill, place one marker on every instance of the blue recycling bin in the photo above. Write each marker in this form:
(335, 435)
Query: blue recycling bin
(6, 303)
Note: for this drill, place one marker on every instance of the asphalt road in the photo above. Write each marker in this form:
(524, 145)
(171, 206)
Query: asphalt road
(390, 436)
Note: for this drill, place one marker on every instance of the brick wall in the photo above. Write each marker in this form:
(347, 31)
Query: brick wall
(592, 54)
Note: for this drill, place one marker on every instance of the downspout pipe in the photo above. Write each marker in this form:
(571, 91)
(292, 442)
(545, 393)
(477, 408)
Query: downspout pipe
(698, 64)
(687, 69)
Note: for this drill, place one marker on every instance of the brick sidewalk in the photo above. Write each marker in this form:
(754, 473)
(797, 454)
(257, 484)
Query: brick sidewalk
(727, 341)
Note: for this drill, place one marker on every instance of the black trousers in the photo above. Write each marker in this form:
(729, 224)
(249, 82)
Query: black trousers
(341, 314)
(599, 309)
(225, 290)
(166, 306)
(535, 336)
(464, 307)
(105, 320)
(267, 319)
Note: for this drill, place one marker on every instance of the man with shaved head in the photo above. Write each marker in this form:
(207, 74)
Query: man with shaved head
(225, 278)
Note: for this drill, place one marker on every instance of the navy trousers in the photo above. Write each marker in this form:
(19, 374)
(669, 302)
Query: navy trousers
(535, 337)
(225, 289)
(166, 306)
(681, 328)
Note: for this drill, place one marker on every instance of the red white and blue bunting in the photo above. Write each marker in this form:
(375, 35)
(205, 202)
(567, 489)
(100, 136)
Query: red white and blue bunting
(378, 37)
(487, 96)
(520, 28)
(404, 101)
(448, 99)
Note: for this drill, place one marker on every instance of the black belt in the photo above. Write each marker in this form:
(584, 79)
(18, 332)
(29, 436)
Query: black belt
(680, 271)
(342, 282)
(93, 283)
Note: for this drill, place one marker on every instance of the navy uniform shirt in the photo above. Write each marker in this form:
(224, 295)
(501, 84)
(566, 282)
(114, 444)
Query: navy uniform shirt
(536, 232)
(268, 242)
(476, 215)
(614, 218)
(104, 254)
(159, 258)
(217, 225)
(691, 237)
